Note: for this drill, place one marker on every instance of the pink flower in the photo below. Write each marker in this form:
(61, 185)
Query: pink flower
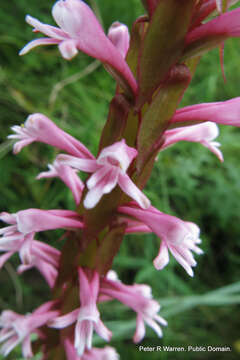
(225, 25)
(34, 220)
(29, 249)
(67, 175)
(202, 133)
(106, 353)
(119, 35)
(179, 237)
(224, 112)
(45, 258)
(109, 169)
(19, 235)
(18, 328)
(87, 317)
(139, 298)
(39, 128)
(79, 29)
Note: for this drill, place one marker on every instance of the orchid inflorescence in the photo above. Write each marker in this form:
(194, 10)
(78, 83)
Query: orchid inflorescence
(153, 69)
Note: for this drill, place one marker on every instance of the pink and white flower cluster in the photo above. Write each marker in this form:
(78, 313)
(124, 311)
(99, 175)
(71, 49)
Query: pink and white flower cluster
(112, 168)
(86, 318)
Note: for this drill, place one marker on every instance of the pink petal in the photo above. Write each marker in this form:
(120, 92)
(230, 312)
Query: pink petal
(182, 261)
(65, 320)
(31, 45)
(68, 49)
(5, 257)
(102, 330)
(140, 329)
(88, 165)
(162, 258)
(133, 191)
(51, 31)
(98, 176)
(34, 220)
(27, 348)
(119, 35)
(25, 252)
(226, 24)
(225, 112)
(105, 186)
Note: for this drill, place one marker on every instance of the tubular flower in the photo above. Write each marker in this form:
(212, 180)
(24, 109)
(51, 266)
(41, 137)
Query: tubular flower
(202, 133)
(79, 29)
(224, 112)
(179, 237)
(40, 128)
(87, 317)
(18, 328)
(19, 235)
(225, 25)
(29, 250)
(139, 298)
(109, 169)
(67, 175)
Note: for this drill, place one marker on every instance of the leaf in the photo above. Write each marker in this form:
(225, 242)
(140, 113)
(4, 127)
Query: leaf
(162, 45)
(138, 31)
(158, 114)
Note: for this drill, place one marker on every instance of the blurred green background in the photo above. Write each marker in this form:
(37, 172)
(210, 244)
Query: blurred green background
(188, 181)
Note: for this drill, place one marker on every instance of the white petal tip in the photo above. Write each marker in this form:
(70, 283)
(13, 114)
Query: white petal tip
(22, 52)
(190, 273)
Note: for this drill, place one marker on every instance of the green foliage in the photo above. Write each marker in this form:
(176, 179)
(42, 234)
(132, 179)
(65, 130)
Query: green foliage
(188, 181)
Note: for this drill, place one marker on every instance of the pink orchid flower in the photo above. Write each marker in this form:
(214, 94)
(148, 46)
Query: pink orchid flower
(226, 25)
(87, 317)
(139, 298)
(119, 35)
(224, 112)
(79, 29)
(29, 249)
(40, 128)
(67, 175)
(19, 235)
(202, 133)
(43, 257)
(109, 169)
(18, 328)
(179, 237)
(34, 220)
